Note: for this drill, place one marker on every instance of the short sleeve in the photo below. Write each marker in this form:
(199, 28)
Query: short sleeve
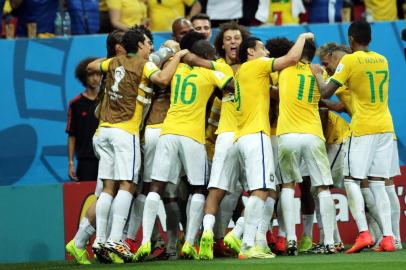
(149, 69)
(223, 67)
(219, 78)
(114, 4)
(104, 66)
(265, 64)
(342, 73)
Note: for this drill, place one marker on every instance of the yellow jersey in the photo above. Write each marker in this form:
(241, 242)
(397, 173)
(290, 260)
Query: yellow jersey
(382, 10)
(338, 129)
(212, 125)
(132, 11)
(228, 121)
(191, 89)
(343, 94)
(163, 12)
(252, 83)
(367, 77)
(299, 101)
(274, 106)
(132, 126)
(282, 8)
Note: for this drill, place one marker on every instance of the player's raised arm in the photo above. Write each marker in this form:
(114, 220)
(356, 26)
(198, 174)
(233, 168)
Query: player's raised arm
(294, 54)
(326, 89)
(95, 66)
(163, 78)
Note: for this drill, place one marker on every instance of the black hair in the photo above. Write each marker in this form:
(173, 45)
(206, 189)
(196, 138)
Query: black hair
(189, 39)
(218, 41)
(144, 30)
(361, 32)
(309, 50)
(81, 72)
(115, 37)
(200, 16)
(204, 49)
(278, 46)
(131, 39)
(247, 43)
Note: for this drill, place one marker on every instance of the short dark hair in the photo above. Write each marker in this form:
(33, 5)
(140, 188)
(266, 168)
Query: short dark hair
(144, 30)
(233, 25)
(278, 46)
(131, 39)
(200, 16)
(247, 43)
(204, 49)
(189, 39)
(81, 72)
(115, 37)
(309, 50)
(360, 31)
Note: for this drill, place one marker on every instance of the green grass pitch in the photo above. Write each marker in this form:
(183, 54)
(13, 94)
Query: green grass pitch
(367, 260)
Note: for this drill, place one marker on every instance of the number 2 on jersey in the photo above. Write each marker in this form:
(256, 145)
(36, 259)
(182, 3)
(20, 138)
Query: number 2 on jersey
(381, 83)
(302, 79)
(185, 85)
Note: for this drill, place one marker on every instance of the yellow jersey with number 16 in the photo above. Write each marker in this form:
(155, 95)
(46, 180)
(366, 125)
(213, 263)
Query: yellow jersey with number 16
(299, 102)
(366, 75)
(191, 89)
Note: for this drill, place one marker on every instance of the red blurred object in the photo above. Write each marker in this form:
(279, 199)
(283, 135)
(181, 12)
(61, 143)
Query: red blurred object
(221, 250)
(131, 244)
(280, 246)
(277, 17)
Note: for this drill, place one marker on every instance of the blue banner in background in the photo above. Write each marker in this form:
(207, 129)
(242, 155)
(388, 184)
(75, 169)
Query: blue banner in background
(37, 78)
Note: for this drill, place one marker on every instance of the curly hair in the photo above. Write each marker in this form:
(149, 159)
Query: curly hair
(81, 72)
(233, 25)
(278, 46)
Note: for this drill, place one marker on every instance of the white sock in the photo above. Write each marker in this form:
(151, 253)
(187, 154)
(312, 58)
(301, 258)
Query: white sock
(172, 223)
(263, 226)
(187, 211)
(395, 210)
(371, 205)
(287, 199)
(84, 233)
(279, 217)
(149, 215)
(328, 214)
(356, 203)
(318, 218)
(373, 227)
(308, 225)
(238, 230)
(384, 210)
(195, 217)
(135, 216)
(208, 222)
(103, 206)
(121, 208)
(253, 212)
(337, 236)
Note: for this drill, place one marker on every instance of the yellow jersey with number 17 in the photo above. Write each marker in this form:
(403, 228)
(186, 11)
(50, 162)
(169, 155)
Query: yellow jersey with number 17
(191, 89)
(366, 75)
(299, 102)
(252, 87)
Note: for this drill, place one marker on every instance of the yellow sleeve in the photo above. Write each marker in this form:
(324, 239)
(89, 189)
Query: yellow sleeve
(104, 66)
(219, 78)
(189, 3)
(149, 69)
(265, 64)
(114, 4)
(223, 67)
(342, 73)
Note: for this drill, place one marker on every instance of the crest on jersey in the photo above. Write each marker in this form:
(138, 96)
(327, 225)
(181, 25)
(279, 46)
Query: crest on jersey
(339, 68)
(219, 74)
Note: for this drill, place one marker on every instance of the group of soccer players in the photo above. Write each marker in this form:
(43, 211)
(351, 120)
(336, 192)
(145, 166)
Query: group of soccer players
(182, 124)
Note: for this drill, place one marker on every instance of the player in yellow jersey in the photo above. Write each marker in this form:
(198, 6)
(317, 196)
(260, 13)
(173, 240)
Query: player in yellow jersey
(182, 141)
(300, 137)
(371, 144)
(253, 131)
(332, 60)
(224, 173)
(118, 138)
